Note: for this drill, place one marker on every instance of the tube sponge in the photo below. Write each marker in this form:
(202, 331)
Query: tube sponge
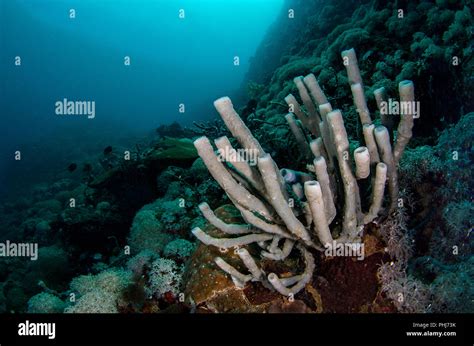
(262, 193)
(406, 90)
(236, 191)
(236, 126)
(313, 193)
(308, 103)
(362, 161)
(241, 164)
(294, 107)
(238, 278)
(368, 131)
(226, 243)
(323, 178)
(351, 190)
(218, 223)
(271, 177)
(361, 103)
(299, 135)
(385, 149)
(304, 278)
(352, 67)
(315, 90)
(378, 192)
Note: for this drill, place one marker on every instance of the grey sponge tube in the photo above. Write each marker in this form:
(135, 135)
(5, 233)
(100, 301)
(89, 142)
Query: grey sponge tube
(377, 192)
(360, 103)
(306, 98)
(241, 164)
(262, 225)
(362, 161)
(318, 149)
(368, 131)
(226, 243)
(380, 99)
(271, 178)
(238, 278)
(323, 179)
(305, 277)
(314, 195)
(218, 223)
(406, 90)
(249, 262)
(314, 89)
(385, 149)
(351, 189)
(352, 67)
(294, 107)
(218, 171)
(236, 126)
(281, 254)
(299, 136)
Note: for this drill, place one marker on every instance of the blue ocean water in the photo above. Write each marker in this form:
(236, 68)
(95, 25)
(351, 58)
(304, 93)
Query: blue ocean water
(139, 61)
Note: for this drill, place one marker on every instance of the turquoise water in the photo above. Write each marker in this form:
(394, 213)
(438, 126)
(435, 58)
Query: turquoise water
(175, 59)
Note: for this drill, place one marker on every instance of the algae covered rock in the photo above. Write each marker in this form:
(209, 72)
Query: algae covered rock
(179, 249)
(210, 289)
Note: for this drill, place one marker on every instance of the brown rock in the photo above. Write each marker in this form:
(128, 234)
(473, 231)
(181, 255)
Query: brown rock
(213, 290)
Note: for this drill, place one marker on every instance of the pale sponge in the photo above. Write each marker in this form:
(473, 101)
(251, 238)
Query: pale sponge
(286, 208)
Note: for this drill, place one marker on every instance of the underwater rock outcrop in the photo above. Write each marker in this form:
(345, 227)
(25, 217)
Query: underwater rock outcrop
(321, 209)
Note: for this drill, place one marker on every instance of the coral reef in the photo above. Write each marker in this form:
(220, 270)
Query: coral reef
(45, 303)
(411, 45)
(164, 278)
(179, 249)
(146, 231)
(158, 223)
(453, 289)
(99, 293)
(408, 294)
(117, 223)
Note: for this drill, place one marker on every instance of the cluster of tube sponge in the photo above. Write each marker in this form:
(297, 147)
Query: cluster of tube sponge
(284, 208)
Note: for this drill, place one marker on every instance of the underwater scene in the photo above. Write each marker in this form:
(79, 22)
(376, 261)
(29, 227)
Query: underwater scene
(239, 156)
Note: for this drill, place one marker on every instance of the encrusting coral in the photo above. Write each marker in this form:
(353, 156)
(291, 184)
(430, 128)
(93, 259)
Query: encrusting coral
(307, 210)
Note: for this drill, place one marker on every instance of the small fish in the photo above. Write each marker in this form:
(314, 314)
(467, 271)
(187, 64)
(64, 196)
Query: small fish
(72, 167)
(108, 150)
